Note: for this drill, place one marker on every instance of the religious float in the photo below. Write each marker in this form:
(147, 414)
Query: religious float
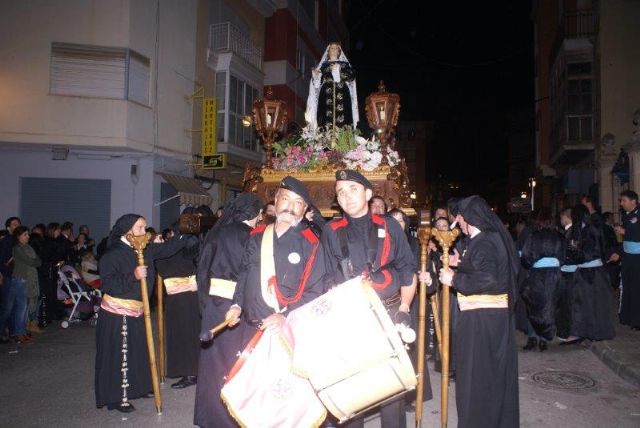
(330, 141)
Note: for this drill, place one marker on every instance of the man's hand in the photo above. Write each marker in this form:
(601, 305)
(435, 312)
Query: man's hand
(619, 230)
(233, 315)
(614, 257)
(446, 276)
(273, 322)
(140, 272)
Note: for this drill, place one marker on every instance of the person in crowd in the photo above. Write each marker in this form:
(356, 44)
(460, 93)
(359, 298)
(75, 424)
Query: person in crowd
(630, 275)
(414, 245)
(487, 367)
(441, 212)
(167, 234)
(268, 215)
(569, 264)
(377, 205)
(122, 362)
(53, 252)
(91, 243)
(218, 269)
(8, 289)
(25, 278)
(542, 253)
(591, 315)
(364, 243)
(611, 241)
(182, 312)
(313, 220)
(80, 246)
(594, 216)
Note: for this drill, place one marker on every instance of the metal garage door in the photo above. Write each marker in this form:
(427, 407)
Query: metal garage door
(45, 200)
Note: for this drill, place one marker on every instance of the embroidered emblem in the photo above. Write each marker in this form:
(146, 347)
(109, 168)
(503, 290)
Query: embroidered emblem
(320, 307)
(294, 258)
(282, 388)
(343, 175)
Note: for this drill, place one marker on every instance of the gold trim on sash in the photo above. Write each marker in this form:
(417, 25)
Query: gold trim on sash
(222, 288)
(115, 305)
(177, 285)
(482, 301)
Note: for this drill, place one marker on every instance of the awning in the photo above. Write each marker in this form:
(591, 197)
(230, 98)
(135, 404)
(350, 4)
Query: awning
(189, 190)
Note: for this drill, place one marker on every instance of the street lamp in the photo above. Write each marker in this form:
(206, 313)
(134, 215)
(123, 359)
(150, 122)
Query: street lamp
(383, 109)
(532, 184)
(269, 115)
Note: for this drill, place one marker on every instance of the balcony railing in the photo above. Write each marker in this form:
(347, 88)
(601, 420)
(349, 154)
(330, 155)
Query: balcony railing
(579, 24)
(226, 37)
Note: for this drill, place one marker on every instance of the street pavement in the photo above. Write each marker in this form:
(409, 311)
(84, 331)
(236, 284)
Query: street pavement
(50, 383)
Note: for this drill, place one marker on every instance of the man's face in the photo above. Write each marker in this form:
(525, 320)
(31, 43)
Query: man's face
(398, 217)
(464, 226)
(139, 227)
(627, 204)
(564, 220)
(13, 224)
(441, 213)
(377, 206)
(289, 207)
(84, 230)
(353, 198)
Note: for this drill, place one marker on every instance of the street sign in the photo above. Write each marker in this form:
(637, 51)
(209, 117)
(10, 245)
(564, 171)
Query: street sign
(215, 161)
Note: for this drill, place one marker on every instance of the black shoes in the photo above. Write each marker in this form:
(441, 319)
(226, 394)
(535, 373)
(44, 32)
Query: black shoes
(573, 341)
(542, 345)
(185, 382)
(532, 342)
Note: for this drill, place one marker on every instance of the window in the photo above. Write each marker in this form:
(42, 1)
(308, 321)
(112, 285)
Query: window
(240, 103)
(101, 72)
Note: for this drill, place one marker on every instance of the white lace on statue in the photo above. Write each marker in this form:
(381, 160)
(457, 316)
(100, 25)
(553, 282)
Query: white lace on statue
(316, 83)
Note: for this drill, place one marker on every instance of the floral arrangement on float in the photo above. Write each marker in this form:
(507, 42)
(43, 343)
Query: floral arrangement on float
(320, 150)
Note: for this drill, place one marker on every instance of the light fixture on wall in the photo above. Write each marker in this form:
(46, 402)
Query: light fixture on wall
(135, 172)
(59, 153)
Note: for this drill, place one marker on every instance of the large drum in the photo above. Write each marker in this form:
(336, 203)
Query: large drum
(350, 350)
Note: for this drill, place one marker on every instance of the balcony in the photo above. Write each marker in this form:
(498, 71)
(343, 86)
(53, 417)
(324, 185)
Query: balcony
(574, 141)
(574, 25)
(226, 37)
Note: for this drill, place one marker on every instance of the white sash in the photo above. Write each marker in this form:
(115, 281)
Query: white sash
(268, 270)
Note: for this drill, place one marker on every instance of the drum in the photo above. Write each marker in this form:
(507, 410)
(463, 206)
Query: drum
(262, 391)
(348, 347)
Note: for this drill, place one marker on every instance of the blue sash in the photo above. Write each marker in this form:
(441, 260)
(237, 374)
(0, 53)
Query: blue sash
(569, 268)
(631, 247)
(546, 262)
(592, 264)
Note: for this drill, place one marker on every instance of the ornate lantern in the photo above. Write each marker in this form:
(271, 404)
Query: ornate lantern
(383, 109)
(269, 116)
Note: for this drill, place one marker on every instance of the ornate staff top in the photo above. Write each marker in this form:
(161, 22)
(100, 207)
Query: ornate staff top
(139, 242)
(445, 237)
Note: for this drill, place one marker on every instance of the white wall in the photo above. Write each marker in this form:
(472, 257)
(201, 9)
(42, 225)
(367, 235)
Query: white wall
(126, 196)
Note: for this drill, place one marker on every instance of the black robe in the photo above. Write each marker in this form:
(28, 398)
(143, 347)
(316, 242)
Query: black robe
(182, 314)
(343, 112)
(379, 248)
(592, 297)
(117, 280)
(540, 288)
(220, 258)
(292, 251)
(630, 296)
(487, 367)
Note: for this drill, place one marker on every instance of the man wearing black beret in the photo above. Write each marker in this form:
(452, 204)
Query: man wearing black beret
(366, 244)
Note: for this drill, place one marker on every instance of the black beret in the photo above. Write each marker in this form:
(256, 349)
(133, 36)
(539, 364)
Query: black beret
(351, 175)
(296, 186)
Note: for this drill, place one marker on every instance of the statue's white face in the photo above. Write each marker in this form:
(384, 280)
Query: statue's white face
(334, 51)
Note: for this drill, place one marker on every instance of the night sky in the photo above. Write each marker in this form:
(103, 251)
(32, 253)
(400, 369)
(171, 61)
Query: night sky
(467, 66)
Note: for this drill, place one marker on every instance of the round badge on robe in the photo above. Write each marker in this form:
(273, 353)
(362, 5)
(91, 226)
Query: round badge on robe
(633, 220)
(294, 258)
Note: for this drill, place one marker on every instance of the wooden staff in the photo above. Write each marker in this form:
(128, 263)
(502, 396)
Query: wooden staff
(161, 346)
(436, 320)
(446, 239)
(139, 243)
(208, 334)
(424, 233)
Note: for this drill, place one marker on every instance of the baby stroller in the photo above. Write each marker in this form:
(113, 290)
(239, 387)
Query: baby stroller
(73, 292)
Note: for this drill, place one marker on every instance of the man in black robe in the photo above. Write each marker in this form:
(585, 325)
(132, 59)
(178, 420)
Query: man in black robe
(219, 266)
(366, 244)
(297, 260)
(630, 296)
(122, 362)
(487, 363)
(182, 313)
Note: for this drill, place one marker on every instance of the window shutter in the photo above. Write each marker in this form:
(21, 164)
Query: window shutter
(138, 78)
(87, 71)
